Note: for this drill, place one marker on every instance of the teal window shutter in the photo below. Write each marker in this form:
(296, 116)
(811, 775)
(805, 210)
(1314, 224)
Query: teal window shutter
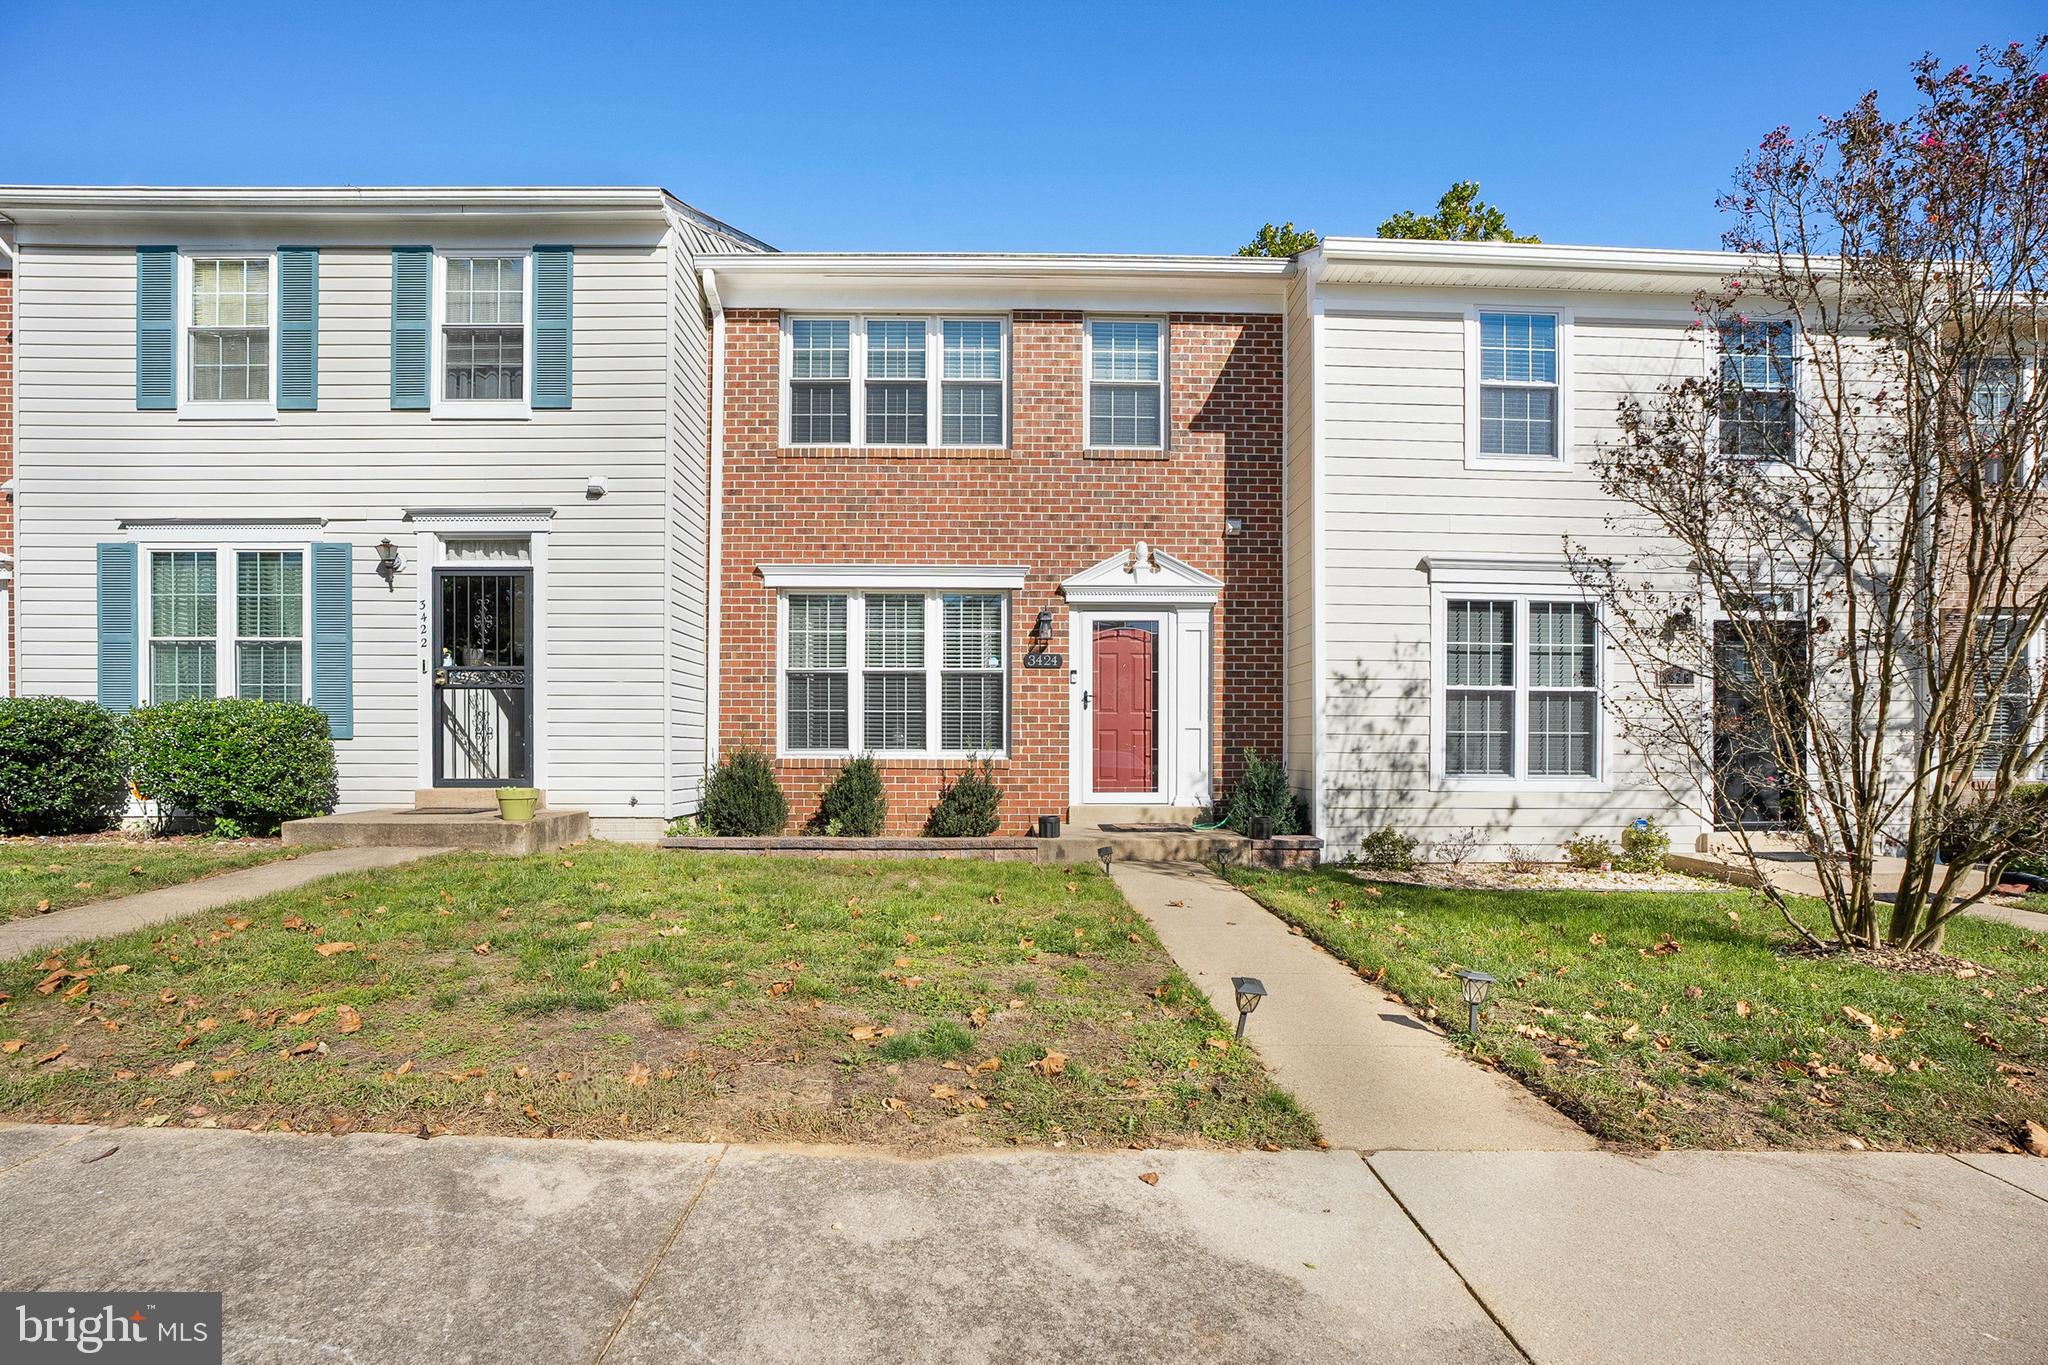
(120, 658)
(553, 267)
(412, 318)
(156, 328)
(298, 328)
(334, 688)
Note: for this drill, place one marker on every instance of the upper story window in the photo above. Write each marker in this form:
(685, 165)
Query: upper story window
(1518, 385)
(1126, 384)
(1994, 393)
(228, 330)
(483, 330)
(1758, 419)
(884, 377)
(261, 592)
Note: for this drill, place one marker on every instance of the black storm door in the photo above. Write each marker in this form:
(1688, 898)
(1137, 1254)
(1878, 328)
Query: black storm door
(483, 682)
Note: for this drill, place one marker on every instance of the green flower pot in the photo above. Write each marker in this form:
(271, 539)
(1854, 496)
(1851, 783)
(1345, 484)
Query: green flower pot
(517, 803)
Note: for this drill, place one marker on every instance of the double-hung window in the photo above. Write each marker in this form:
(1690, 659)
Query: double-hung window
(1758, 416)
(2003, 683)
(1126, 365)
(877, 381)
(895, 673)
(483, 330)
(1519, 386)
(1994, 393)
(228, 330)
(1520, 689)
(262, 593)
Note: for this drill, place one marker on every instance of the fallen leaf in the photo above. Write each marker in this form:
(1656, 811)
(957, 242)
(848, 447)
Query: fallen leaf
(404, 1068)
(945, 1092)
(307, 1016)
(638, 1074)
(346, 1018)
(1742, 1008)
(2034, 1138)
(861, 1033)
(330, 949)
(13, 1045)
(1597, 940)
(992, 1064)
(1053, 1063)
(226, 1073)
(482, 949)
(180, 1068)
(1871, 1062)
(1150, 1177)
(53, 1054)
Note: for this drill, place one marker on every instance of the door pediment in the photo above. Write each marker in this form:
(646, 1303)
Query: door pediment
(1142, 574)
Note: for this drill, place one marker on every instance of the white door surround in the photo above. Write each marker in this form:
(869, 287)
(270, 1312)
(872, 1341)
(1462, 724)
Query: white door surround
(1147, 584)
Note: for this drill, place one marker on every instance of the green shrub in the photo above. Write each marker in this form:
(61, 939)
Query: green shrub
(968, 807)
(1387, 850)
(248, 764)
(63, 766)
(1264, 790)
(1643, 846)
(1589, 852)
(743, 798)
(854, 806)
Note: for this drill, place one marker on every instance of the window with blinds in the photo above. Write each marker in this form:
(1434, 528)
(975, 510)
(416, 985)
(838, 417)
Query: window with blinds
(924, 673)
(1520, 680)
(1126, 384)
(227, 338)
(1758, 417)
(1518, 385)
(2003, 683)
(895, 372)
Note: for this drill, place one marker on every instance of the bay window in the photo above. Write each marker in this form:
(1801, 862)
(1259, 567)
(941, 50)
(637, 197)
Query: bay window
(895, 372)
(895, 673)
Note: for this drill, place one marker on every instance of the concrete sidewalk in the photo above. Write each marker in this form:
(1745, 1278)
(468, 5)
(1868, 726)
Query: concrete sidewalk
(377, 1248)
(1374, 1075)
(97, 919)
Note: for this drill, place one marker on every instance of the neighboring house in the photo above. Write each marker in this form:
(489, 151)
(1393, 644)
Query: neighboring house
(7, 651)
(432, 460)
(1024, 507)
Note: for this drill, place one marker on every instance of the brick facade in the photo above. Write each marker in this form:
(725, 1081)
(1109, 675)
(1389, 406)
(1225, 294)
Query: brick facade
(1044, 502)
(7, 454)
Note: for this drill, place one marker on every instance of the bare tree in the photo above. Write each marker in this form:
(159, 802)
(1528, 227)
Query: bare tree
(1836, 639)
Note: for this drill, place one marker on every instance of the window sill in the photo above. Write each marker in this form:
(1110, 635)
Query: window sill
(481, 412)
(1521, 784)
(1520, 464)
(227, 412)
(814, 759)
(893, 452)
(1116, 453)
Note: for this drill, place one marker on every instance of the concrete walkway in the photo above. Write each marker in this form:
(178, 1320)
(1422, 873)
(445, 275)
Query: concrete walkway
(97, 919)
(1374, 1076)
(377, 1248)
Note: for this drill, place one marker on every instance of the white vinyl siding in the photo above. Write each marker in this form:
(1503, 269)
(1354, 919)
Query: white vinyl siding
(1126, 363)
(897, 674)
(876, 381)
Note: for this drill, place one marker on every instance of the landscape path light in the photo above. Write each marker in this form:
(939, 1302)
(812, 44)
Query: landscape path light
(1474, 986)
(1250, 991)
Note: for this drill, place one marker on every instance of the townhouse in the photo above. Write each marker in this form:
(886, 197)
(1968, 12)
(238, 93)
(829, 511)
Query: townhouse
(6, 469)
(578, 488)
(431, 460)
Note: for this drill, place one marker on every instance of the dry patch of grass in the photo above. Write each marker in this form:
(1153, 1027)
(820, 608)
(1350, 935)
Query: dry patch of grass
(616, 991)
(41, 875)
(1682, 1020)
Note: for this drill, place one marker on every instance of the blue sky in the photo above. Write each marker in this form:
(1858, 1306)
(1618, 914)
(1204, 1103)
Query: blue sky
(1102, 127)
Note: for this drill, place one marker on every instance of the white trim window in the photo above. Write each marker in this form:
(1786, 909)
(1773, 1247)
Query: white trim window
(1126, 366)
(1759, 409)
(483, 348)
(897, 673)
(262, 594)
(1519, 689)
(874, 382)
(2001, 638)
(228, 337)
(1519, 388)
(1994, 393)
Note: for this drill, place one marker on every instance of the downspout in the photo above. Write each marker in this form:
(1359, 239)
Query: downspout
(714, 578)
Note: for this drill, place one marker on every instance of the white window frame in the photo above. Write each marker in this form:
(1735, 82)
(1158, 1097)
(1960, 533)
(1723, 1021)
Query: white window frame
(1715, 351)
(227, 674)
(1561, 457)
(856, 667)
(215, 409)
(1088, 380)
(857, 379)
(2033, 647)
(1521, 592)
(472, 409)
(2022, 377)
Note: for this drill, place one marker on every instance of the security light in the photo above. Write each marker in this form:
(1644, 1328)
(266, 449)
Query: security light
(1474, 986)
(1250, 991)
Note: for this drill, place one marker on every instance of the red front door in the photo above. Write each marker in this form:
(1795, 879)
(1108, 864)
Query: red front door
(1126, 706)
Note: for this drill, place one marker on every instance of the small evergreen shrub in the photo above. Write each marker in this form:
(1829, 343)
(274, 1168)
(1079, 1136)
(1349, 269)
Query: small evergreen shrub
(1264, 790)
(250, 764)
(1643, 846)
(63, 766)
(1589, 853)
(969, 806)
(854, 806)
(1387, 850)
(743, 798)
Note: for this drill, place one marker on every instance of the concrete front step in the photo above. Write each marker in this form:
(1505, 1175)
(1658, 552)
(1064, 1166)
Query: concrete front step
(1094, 817)
(1181, 846)
(481, 831)
(462, 798)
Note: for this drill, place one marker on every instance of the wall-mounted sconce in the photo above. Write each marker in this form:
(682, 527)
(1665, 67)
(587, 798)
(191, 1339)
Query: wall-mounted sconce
(389, 560)
(1041, 629)
(1233, 526)
(596, 486)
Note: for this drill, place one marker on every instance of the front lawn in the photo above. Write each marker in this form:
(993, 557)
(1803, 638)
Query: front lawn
(615, 991)
(1676, 1019)
(41, 875)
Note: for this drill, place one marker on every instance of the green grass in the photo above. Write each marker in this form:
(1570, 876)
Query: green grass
(1724, 1042)
(618, 991)
(41, 875)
